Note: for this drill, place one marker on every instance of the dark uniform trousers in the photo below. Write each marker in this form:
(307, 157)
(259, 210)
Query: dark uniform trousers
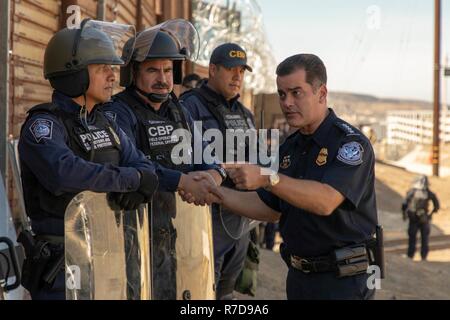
(57, 291)
(229, 255)
(326, 286)
(413, 228)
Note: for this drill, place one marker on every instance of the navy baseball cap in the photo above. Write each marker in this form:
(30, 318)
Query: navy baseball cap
(230, 55)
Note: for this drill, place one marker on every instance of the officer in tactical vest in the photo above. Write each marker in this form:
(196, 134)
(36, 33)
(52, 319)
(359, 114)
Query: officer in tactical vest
(416, 209)
(150, 113)
(216, 104)
(67, 146)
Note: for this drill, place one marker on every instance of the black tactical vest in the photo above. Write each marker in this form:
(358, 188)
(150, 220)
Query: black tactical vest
(227, 119)
(155, 131)
(41, 203)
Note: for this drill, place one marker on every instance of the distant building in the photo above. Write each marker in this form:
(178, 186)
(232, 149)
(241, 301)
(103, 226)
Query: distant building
(415, 127)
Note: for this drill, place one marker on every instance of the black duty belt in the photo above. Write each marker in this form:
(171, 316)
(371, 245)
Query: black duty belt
(346, 261)
(312, 265)
(308, 265)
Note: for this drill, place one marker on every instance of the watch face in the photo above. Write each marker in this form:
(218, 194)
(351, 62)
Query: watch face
(223, 172)
(274, 179)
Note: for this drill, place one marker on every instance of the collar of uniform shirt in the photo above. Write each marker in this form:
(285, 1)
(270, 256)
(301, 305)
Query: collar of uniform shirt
(229, 104)
(68, 105)
(320, 136)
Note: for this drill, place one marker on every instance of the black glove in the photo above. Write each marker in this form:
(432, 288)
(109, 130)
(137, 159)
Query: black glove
(148, 184)
(125, 201)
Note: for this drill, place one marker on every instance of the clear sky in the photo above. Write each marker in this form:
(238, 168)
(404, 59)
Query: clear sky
(378, 47)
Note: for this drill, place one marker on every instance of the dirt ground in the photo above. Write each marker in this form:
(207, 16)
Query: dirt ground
(405, 278)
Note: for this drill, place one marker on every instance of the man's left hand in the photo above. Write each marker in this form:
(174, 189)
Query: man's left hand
(246, 176)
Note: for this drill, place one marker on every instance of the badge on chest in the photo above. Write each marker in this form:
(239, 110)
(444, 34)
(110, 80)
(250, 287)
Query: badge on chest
(322, 157)
(285, 162)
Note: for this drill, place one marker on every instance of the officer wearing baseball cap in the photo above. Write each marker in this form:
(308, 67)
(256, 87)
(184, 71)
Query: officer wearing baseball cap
(230, 55)
(216, 104)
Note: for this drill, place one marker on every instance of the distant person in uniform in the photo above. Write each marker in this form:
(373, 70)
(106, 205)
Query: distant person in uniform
(416, 209)
(190, 81)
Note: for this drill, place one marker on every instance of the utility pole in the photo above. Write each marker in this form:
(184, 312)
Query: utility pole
(437, 76)
(101, 10)
(444, 103)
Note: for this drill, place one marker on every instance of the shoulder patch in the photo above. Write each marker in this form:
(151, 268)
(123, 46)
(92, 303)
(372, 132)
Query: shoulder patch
(111, 115)
(42, 129)
(347, 128)
(351, 153)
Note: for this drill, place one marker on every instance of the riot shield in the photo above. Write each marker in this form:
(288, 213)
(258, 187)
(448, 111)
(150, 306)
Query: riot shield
(107, 252)
(182, 255)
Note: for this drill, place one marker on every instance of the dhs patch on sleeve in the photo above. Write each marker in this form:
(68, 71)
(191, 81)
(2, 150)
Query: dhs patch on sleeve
(351, 153)
(42, 129)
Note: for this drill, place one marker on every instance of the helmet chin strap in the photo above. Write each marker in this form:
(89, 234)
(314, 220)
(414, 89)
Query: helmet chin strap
(154, 97)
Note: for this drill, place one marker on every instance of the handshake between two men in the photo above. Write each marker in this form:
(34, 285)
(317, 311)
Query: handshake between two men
(203, 187)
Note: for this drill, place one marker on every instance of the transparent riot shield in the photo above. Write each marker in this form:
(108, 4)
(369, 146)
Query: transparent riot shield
(182, 255)
(107, 252)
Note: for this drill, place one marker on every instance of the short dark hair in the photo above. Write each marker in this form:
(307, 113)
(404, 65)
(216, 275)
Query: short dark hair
(316, 73)
(190, 77)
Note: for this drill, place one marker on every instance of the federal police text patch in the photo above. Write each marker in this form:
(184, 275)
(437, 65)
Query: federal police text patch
(42, 129)
(351, 153)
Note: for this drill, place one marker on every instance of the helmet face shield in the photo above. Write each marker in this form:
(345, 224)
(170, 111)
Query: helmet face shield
(103, 43)
(182, 32)
(186, 34)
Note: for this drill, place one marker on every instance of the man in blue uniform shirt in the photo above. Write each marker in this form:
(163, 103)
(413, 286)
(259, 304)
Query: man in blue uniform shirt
(216, 104)
(324, 192)
(68, 146)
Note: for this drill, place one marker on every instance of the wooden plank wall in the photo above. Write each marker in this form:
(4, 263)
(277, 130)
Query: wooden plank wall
(33, 24)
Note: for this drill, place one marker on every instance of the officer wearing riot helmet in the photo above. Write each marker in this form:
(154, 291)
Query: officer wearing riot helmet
(323, 194)
(216, 103)
(67, 146)
(149, 112)
(416, 209)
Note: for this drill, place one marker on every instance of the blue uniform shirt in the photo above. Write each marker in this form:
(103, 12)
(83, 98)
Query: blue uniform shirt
(339, 155)
(59, 170)
(126, 119)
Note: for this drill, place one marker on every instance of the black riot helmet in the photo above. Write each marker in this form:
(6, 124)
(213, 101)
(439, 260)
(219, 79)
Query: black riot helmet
(176, 40)
(70, 51)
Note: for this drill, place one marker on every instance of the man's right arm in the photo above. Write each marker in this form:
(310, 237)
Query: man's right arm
(248, 204)
(59, 170)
